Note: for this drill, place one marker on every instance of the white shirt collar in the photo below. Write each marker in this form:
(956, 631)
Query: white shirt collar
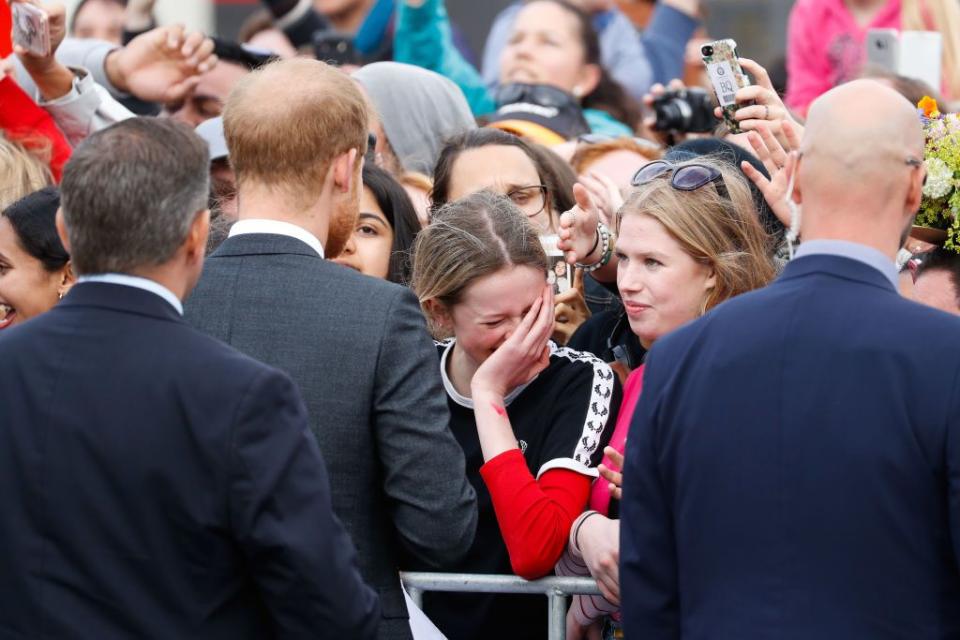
(136, 282)
(276, 227)
(854, 251)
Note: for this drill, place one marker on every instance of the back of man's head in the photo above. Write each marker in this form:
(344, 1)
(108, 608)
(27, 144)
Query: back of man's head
(287, 121)
(130, 194)
(856, 142)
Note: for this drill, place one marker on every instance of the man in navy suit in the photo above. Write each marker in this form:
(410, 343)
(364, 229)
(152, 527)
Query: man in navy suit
(793, 468)
(156, 483)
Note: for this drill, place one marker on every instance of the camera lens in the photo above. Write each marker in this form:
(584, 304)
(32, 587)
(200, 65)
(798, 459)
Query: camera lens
(707, 50)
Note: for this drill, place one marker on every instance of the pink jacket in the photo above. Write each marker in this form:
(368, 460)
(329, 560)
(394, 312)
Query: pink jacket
(825, 47)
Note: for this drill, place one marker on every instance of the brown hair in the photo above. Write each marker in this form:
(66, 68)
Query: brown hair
(587, 154)
(720, 231)
(468, 239)
(286, 122)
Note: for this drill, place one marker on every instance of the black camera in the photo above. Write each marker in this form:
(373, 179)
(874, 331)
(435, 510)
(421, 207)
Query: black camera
(685, 111)
(334, 48)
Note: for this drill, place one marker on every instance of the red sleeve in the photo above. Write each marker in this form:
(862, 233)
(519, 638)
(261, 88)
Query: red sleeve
(534, 516)
(26, 122)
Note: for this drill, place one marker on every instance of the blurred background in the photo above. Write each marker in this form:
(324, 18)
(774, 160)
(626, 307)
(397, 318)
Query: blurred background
(758, 26)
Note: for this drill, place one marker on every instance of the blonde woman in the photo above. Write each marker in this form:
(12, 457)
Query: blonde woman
(688, 239)
(532, 418)
(21, 172)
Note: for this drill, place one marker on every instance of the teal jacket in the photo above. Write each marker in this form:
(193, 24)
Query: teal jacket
(422, 37)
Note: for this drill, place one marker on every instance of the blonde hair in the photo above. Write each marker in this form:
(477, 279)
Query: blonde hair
(21, 172)
(468, 239)
(723, 233)
(416, 180)
(587, 154)
(286, 122)
(942, 16)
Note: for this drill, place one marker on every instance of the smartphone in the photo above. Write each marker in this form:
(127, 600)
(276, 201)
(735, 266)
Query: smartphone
(883, 49)
(31, 28)
(727, 77)
(559, 273)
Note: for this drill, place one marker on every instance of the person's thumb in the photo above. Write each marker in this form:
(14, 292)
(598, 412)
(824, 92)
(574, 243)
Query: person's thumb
(583, 198)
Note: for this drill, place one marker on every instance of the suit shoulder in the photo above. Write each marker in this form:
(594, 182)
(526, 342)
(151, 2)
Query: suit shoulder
(217, 355)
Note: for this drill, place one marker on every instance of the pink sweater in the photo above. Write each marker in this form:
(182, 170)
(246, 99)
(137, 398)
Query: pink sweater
(825, 47)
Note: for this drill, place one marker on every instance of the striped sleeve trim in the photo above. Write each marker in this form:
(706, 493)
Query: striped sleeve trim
(598, 411)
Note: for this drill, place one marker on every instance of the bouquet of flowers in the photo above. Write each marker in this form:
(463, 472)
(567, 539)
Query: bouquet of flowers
(940, 207)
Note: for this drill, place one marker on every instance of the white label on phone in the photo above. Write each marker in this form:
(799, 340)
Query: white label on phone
(724, 82)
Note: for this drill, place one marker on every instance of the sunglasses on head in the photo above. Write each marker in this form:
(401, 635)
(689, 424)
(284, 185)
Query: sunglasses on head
(688, 177)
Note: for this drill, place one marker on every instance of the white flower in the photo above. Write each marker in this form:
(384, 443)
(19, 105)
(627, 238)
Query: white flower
(939, 178)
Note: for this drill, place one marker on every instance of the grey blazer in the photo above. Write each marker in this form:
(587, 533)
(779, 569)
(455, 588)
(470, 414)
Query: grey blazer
(359, 351)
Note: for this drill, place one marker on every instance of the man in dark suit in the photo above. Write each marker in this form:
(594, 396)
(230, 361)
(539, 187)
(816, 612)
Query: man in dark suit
(156, 483)
(357, 347)
(793, 469)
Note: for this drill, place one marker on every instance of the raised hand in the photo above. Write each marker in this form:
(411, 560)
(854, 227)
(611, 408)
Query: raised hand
(769, 109)
(578, 228)
(780, 163)
(521, 356)
(612, 473)
(53, 80)
(606, 194)
(161, 65)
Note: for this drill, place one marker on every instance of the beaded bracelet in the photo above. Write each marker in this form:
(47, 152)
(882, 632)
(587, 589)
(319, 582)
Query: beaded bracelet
(606, 254)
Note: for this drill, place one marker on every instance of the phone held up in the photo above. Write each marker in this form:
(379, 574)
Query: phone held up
(727, 77)
(31, 28)
(559, 274)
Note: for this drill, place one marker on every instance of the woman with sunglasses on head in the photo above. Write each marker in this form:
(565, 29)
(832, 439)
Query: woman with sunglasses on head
(687, 239)
(532, 417)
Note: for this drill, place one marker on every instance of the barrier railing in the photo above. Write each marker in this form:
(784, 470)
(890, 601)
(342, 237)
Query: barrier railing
(556, 589)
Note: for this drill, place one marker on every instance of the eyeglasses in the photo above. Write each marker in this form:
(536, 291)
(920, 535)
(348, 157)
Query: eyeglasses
(531, 200)
(688, 177)
(915, 163)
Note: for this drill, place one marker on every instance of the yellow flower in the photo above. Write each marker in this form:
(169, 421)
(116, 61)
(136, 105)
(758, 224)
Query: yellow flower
(929, 107)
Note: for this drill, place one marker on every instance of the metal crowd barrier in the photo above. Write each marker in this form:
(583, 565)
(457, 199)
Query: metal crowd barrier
(556, 589)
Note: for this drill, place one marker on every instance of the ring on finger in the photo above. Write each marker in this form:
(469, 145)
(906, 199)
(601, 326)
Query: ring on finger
(766, 112)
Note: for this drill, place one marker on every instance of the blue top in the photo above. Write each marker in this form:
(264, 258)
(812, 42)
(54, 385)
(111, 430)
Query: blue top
(854, 251)
(635, 60)
(423, 38)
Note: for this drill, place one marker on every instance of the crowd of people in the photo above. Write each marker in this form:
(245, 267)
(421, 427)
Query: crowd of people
(283, 318)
